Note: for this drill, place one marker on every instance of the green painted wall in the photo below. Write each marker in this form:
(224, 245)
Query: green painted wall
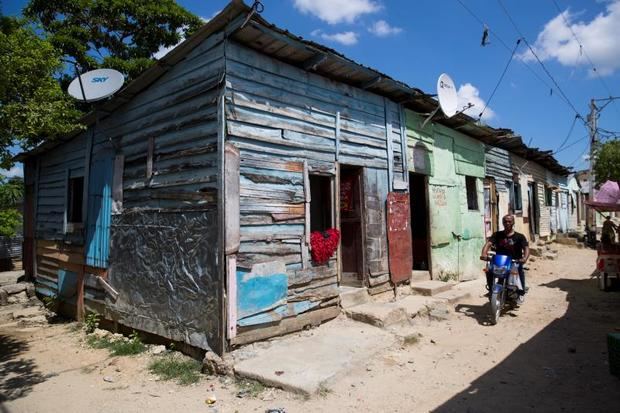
(450, 156)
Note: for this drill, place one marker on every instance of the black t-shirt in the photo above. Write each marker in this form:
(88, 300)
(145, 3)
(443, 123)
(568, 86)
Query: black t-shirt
(512, 246)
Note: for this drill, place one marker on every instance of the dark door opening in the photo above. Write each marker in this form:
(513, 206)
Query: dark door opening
(419, 222)
(351, 226)
(533, 210)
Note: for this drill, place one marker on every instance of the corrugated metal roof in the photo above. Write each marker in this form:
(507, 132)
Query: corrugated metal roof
(267, 38)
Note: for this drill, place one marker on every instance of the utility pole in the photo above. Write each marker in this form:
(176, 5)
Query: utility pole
(592, 120)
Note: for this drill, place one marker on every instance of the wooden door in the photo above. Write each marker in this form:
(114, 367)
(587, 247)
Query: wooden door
(399, 236)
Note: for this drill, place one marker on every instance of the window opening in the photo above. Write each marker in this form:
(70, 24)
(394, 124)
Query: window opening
(321, 203)
(472, 193)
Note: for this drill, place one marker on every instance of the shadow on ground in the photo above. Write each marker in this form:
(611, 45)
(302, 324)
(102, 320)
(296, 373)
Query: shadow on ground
(564, 368)
(18, 375)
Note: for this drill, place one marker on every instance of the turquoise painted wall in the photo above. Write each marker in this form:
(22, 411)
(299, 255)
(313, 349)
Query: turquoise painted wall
(451, 156)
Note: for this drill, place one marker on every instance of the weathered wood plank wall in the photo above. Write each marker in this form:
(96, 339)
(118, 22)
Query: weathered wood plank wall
(163, 257)
(282, 118)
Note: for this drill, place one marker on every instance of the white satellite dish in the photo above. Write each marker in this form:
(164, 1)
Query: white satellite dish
(96, 85)
(446, 93)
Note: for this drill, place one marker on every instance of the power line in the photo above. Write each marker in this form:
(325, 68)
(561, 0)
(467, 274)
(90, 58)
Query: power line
(580, 155)
(570, 145)
(566, 99)
(503, 43)
(570, 131)
(585, 53)
(500, 79)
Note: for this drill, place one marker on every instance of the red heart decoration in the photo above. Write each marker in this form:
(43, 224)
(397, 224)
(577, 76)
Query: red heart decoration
(324, 244)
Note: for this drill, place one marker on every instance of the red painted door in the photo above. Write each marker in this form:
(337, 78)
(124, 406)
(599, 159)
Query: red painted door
(399, 236)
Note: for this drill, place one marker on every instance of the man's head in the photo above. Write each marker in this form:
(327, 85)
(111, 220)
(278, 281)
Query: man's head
(508, 221)
(608, 217)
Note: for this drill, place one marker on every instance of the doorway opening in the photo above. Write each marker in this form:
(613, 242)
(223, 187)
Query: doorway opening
(420, 240)
(534, 210)
(351, 226)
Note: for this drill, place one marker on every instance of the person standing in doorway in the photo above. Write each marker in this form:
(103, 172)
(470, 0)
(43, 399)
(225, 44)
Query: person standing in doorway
(511, 243)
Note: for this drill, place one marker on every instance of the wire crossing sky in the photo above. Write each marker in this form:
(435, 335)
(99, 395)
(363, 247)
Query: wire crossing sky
(569, 54)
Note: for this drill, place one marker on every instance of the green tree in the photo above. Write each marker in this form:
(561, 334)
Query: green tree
(11, 195)
(32, 104)
(121, 34)
(607, 162)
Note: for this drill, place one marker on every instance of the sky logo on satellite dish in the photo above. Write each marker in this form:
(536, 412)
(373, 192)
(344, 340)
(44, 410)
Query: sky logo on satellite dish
(446, 94)
(96, 85)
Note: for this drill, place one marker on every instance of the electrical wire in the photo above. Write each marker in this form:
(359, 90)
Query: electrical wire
(585, 53)
(580, 155)
(568, 135)
(486, 105)
(570, 145)
(503, 43)
(542, 65)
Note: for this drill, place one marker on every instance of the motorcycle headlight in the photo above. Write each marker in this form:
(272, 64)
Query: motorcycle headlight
(501, 270)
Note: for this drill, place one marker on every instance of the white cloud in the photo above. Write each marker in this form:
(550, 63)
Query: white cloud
(599, 38)
(345, 38)
(468, 93)
(17, 170)
(337, 11)
(382, 28)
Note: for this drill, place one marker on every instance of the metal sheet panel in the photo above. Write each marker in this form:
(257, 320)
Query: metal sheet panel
(399, 237)
(99, 209)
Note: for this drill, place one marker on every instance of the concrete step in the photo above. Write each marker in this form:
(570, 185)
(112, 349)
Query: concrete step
(351, 296)
(418, 275)
(430, 288)
(567, 241)
(453, 296)
(418, 305)
(378, 314)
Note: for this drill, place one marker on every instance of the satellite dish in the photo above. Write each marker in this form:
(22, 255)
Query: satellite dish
(446, 93)
(96, 85)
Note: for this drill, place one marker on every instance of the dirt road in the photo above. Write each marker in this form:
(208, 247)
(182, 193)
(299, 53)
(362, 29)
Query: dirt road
(549, 355)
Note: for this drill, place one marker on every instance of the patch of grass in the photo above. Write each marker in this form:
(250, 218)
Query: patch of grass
(118, 347)
(185, 371)
(250, 388)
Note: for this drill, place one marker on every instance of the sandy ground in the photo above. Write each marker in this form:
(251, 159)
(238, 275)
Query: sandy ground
(549, 355)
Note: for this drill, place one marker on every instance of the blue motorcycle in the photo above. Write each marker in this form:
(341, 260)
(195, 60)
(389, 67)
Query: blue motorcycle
(506, 284)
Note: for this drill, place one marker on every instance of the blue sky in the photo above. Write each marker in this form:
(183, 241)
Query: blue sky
(416, 41)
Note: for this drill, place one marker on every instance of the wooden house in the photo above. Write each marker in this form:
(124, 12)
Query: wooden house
(186, 207)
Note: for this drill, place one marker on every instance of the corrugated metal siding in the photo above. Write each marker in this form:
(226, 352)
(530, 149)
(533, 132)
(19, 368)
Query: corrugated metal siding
(498, 166)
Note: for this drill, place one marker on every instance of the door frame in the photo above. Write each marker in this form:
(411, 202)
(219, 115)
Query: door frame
(362, 204)
(429, 255)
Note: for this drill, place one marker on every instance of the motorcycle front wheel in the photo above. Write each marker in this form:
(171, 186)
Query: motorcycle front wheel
(496, 306)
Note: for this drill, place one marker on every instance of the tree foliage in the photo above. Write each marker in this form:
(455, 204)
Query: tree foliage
(121, 34)
(607, 162)
(11, 195)
(32, 104)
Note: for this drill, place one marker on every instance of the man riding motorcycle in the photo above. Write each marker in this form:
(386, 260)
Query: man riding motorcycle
(511, 243)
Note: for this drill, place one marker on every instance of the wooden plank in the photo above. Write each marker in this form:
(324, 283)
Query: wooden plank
(108, 288)
(231, 296)
(287, 325)
(403, 142)
(308, 199)
(80, 296)
(337, 134)
(231, 199)
(390, 150)
(149, 158)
